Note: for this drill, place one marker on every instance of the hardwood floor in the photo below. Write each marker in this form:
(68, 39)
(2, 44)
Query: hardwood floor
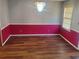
(37, 47)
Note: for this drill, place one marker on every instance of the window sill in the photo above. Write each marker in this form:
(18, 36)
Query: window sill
(67, 29)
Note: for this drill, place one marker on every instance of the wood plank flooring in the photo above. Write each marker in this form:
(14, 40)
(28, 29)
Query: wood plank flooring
(37, 47)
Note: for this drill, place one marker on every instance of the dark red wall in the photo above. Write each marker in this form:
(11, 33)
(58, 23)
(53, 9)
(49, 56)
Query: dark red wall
(34, 29)
(29, 29)
(70, 36)
(5, 33)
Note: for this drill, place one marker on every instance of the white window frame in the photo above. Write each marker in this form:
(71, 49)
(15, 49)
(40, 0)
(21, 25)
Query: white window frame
(67, 18)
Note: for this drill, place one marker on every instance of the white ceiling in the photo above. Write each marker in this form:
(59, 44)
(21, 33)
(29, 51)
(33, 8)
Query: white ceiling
(57, 0)
(50, 0)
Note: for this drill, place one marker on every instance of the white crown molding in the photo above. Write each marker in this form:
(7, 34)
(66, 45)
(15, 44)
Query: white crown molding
(34, 24)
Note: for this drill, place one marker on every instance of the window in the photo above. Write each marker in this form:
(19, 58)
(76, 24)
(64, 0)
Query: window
(68, 9)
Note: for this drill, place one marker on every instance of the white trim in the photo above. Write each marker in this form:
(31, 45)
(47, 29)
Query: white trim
(41, 35)
(34, 34)
(69, 42)
(34, 24)
(67, 29)
(26, 35)
(1, 38)
(29, 24)
(75, 30)
(5, 26)
(78, 44)
(6, 40)
(3, 43)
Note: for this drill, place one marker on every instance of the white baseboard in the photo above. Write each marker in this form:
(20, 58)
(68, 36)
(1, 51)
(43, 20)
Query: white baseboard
(70, 42)
(1, 37)
(27, 35)
(41, 35)
(6, 40)
(34, 34)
